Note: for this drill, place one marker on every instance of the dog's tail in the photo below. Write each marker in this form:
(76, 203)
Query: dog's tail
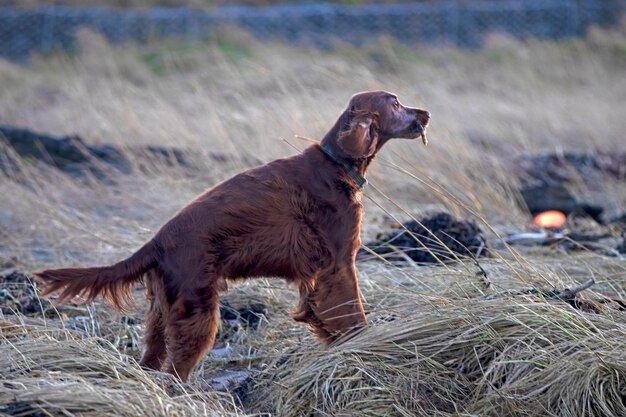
(114, 283)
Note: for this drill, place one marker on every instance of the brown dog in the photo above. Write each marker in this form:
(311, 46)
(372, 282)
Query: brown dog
(296, 218)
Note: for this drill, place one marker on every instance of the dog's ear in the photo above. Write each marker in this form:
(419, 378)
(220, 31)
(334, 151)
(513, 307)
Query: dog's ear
(360, 138)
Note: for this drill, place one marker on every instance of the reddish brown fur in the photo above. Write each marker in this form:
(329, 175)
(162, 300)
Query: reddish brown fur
(297, 218)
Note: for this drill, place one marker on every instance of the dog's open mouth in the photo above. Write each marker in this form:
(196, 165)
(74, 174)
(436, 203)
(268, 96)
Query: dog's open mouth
(418, 129)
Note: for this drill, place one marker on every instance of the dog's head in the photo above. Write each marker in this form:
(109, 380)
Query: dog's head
(374, 117)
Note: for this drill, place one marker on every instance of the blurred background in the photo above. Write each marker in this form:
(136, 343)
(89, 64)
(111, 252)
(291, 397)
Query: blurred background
(321, 24)
(184, 94)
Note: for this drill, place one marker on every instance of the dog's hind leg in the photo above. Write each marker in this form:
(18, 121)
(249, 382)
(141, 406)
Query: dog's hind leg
(154, 333)
(154, 341)
(191, 327)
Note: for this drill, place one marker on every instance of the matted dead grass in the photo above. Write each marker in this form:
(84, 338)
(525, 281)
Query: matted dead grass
(51, 371)
(440, 342)
(449, 357)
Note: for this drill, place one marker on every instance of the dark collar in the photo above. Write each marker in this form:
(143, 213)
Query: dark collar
(353, 173)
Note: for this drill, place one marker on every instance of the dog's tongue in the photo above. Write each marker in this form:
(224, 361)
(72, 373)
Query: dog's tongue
(424, 139)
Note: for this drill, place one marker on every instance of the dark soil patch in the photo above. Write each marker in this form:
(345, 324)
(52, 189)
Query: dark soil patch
(72, 155)
(553, 168)
(578, 234)
(23, 408)
(619, 222)
(546, 197)
(67, 153)
(247, 315)
(19, 295)
(621, 248)
(572, 297)
(547, 179)
(439, 236)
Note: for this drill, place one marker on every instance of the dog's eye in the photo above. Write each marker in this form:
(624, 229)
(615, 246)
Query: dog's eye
(396, 103)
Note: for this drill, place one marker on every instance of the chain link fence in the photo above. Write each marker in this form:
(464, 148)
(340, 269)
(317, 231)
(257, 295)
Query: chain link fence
(462, 23)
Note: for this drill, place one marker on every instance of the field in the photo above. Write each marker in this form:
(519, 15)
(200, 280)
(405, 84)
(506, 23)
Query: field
(450, 339)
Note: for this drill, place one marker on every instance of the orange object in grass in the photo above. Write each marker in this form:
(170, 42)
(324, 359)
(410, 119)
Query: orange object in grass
(551, 219)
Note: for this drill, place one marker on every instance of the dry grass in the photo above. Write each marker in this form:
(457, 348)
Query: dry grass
(447, 350)
(449, 357)
(55, 372)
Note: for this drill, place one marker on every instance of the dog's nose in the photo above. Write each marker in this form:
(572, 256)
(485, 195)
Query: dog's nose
(424, 117)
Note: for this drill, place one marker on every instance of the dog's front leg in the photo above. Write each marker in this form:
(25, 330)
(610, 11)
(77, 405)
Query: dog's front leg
(336, 302)
(304, 313)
